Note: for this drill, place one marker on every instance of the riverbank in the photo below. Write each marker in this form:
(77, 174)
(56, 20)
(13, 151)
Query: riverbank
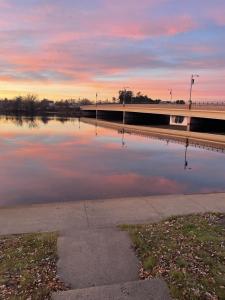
(93, 251)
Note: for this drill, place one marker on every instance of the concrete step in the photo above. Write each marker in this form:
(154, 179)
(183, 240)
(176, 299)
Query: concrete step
(154, 289)
(96, 257)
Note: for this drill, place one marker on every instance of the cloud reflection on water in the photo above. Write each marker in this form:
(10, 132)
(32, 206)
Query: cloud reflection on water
(60, 162)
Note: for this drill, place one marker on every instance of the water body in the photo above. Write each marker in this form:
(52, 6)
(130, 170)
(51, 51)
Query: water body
(57, 160)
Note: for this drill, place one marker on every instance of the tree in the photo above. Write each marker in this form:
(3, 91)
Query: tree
(85, 102)
(18, 104)
(180, 102)
(142, 99)
(30, 103)
(125, 96)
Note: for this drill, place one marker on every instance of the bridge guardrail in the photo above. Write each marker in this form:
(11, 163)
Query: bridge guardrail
(195, 106)
(219, 106)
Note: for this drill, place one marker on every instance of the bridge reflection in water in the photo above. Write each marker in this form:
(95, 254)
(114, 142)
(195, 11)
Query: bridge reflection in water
(213, 143)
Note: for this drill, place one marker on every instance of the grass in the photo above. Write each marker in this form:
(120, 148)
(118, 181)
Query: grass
(188, 252)
(28, 266)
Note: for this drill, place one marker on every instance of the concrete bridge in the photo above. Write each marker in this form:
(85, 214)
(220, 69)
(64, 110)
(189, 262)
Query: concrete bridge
(199, 117)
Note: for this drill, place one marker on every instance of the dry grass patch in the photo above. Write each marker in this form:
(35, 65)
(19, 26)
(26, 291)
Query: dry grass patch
(188, 252)
(28, 266)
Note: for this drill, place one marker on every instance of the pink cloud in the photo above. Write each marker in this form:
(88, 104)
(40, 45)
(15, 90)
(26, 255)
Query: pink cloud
(217, 15)
(101, 45)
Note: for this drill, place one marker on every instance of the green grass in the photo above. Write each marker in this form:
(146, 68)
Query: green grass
(188, 252)
(28, 266)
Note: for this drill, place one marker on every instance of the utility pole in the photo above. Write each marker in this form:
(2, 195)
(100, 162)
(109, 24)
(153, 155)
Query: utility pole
(96, 104)
(192, 83)
(124, 100)
(171, 94)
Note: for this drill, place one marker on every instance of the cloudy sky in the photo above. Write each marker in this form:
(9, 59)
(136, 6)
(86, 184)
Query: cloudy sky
(75, 48)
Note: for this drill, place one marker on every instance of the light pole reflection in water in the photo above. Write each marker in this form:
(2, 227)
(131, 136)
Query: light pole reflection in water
(122, 131)
(79, 122)
(185, 155)
(123, 139)
(96, 128)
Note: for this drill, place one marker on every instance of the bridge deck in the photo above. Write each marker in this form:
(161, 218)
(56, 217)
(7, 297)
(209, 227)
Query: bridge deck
(210, 112)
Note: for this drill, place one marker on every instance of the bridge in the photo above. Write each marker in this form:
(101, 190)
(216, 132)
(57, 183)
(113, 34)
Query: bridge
(200, 116)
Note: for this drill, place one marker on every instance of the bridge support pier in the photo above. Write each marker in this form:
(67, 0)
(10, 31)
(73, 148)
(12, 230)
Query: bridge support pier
(181, 121)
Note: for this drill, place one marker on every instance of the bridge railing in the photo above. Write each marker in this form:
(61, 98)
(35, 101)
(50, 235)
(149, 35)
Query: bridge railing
(201, 105)
(220, 106)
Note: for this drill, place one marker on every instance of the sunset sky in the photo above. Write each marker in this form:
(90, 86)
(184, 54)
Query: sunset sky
(75, 48)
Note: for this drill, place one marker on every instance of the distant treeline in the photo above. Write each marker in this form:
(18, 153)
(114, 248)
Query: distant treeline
(128, 97)
(30, 105)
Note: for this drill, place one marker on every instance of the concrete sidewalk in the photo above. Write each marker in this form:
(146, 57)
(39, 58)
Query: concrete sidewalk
(69, 216)
(93, 252)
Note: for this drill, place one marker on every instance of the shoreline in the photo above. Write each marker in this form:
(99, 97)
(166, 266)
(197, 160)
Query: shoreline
(99, 200)
(93, 214)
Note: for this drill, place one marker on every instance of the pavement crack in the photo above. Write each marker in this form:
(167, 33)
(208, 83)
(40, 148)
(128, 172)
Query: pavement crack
(153, 207)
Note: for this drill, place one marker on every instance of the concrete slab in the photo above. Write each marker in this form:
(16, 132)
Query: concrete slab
(139, 290)
(172, 205)
(211, 202)
(96, 257)
(119, 211)
(42, 217)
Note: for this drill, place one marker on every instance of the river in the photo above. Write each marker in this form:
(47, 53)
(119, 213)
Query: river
(53, 160)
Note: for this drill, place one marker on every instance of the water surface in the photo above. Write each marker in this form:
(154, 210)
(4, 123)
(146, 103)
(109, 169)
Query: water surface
(56, 160)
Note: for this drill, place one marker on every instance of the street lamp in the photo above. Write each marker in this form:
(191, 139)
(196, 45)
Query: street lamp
(96, 104)
(171, 94)
(124, 94)
(192, 83)
(124, 98)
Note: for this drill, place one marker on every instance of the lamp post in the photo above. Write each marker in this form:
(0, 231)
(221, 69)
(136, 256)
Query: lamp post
(124, 100)
(96, 104)
(192, 83)
(171, 94)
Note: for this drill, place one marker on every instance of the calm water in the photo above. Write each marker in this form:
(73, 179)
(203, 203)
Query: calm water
(67, 161)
